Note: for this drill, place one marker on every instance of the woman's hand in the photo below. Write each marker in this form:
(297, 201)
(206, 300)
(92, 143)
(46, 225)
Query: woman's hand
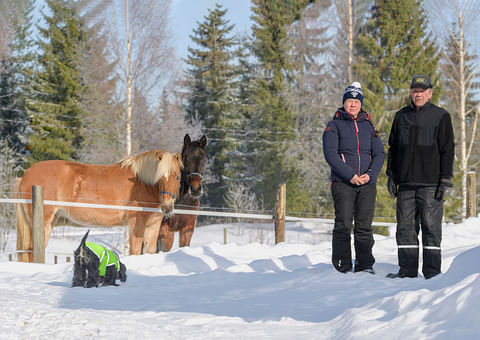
(364, 179)
(356, 180)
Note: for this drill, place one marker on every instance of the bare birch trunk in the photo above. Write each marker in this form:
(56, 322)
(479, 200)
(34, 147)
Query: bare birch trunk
(129, 86)
(350, 41)
(463, 134)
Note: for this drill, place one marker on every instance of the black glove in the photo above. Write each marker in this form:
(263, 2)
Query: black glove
(392, 187)
(443, 189)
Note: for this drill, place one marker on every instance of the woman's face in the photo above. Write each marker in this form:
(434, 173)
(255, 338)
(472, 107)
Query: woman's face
(352, 106)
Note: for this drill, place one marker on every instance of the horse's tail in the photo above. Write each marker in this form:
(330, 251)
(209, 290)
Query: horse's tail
(24, 229)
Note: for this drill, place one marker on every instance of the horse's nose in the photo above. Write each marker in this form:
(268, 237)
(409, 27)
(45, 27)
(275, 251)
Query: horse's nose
(196, 192)
(167, 206)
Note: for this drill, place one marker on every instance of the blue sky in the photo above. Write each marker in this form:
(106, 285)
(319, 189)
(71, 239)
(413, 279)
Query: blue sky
(186, 14)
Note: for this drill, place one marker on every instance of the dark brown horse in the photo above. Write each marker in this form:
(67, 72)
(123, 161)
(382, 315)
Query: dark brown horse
(150, 179)
(193, 158)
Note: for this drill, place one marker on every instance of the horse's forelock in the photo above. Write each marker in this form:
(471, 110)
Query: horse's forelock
(151, 166)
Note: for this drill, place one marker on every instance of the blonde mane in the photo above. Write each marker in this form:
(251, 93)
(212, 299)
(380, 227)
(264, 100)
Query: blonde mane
(151, 166)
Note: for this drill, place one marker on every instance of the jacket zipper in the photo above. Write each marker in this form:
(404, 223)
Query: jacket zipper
(414, 144)
(358, 146)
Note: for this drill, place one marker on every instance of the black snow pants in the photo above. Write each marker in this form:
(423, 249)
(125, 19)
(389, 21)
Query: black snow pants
(353, 202)
(417, 209)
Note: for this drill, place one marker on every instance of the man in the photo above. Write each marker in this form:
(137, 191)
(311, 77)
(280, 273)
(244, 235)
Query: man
(420, 169)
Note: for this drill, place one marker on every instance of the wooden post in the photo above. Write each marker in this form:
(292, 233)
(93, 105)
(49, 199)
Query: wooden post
(126, 240)
(280, 214)
(471, 195)
(38, 226)
(224, 235)
(67, 259)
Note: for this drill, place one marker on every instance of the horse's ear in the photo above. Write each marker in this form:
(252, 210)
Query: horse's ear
(186, 140)
(178, 156)
(158, 156)
(203, 141)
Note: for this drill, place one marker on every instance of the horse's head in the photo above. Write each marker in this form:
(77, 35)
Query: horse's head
(160, 169)
(193, 157)
(169, 183)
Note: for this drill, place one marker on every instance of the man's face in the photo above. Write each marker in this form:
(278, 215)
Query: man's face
(421, 96)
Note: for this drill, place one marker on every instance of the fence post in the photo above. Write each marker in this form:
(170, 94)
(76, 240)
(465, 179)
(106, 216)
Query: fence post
(471, 194)
(126, 240)
(38, 225)
(280, 214)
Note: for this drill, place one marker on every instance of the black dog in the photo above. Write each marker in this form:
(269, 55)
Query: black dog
(95, 265)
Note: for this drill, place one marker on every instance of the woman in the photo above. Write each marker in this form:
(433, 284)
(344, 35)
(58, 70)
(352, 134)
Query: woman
(354, 151)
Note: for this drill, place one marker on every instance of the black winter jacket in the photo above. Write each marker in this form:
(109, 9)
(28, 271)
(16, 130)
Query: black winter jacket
(421, 146)
(351, 148)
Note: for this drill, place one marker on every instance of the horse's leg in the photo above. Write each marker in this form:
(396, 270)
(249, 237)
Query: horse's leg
(186, 232)
(150, 236)
(49, 215)
(136, 234)
(169, 240)
(162, 235)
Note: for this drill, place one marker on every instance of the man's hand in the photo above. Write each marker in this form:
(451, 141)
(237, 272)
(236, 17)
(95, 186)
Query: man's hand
(443, 189)
(392, 187)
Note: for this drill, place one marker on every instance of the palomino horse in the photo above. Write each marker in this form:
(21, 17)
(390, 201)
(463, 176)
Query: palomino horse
(193, 157)
(150, 179)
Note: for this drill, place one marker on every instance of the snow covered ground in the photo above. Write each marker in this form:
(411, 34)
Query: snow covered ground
(248, 288)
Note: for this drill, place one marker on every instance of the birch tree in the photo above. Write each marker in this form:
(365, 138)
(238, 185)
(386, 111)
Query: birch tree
(350, 16)
(142, 43)
(460, 66)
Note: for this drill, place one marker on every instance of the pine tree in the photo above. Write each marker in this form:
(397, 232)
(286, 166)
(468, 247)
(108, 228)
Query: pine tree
(209, 79)
(55, 109)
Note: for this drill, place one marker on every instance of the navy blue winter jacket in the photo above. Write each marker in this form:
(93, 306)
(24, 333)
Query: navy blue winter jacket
(350, 147)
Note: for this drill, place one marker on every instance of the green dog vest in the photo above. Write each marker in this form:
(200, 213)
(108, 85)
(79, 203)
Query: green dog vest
(106, 257)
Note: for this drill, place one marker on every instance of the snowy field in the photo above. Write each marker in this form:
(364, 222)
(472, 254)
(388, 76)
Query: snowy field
(248, 288)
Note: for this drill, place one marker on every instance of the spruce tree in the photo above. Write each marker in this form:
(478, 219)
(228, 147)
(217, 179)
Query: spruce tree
(16, 69)
(392, 47)
(274, 120)
(55, 109)
(210, 81)
(242, 156)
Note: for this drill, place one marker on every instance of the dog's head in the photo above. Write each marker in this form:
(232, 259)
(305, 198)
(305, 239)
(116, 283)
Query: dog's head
(122, 273)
